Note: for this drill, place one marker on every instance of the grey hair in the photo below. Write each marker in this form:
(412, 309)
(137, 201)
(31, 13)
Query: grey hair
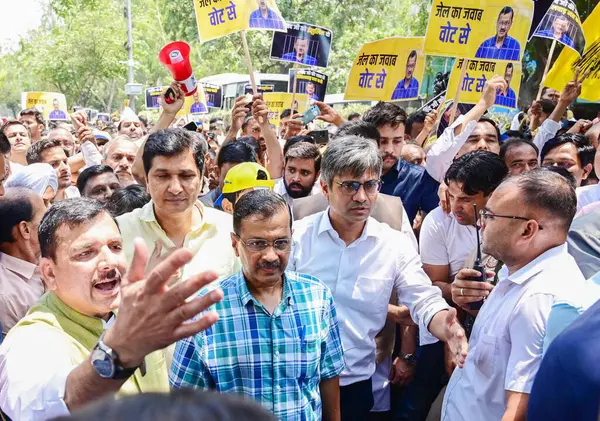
(263, 203)
(353, 155)
(548, 191)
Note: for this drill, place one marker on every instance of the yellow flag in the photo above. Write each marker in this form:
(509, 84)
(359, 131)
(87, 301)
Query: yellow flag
(563, 69)
(478, 72)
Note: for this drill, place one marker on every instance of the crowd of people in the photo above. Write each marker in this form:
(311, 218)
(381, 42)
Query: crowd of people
(338, 282)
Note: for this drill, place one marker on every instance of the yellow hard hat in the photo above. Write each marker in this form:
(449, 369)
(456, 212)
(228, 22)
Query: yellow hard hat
(247, 175)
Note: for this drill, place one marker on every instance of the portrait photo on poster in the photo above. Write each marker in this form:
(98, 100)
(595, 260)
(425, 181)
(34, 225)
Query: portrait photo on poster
(52, 105)
(408, 87)
(213, 94)
(266, 16)
(303, 43)
(501, 46)
(309, 82)
(563, 24)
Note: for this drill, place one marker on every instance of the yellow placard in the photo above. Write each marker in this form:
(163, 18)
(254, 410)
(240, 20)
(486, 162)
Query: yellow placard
(194, 104)
(486, 29)
(279, 101)
(388, 69)
(217, 18)
(563, 69)
(477, 73)
(52, 105)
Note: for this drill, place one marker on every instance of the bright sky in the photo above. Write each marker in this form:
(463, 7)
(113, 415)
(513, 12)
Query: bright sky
(18, 17)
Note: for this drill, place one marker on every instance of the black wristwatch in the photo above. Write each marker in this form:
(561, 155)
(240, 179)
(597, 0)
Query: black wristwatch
(411, 359)
(107, 364)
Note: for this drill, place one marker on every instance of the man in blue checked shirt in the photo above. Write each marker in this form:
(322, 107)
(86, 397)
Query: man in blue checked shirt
(508, 98)
(501, 46)
(408, 87)
(266, 18)
(277, 338)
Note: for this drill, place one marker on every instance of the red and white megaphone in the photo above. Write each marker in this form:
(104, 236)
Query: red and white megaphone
(176, 56)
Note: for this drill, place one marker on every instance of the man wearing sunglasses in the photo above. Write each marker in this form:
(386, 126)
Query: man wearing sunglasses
(361, 260)
(524, 224)
(277, 338)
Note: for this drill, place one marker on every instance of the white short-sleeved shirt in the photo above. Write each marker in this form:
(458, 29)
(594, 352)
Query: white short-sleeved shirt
(506, 345)
(443, 241)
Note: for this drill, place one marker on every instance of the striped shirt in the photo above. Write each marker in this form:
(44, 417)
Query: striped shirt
(277, 359)
(509, 50)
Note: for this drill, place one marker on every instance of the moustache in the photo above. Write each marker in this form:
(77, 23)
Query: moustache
(388, 155)
(269, 265)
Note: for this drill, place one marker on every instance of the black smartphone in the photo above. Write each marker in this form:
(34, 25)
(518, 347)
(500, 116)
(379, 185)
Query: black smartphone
(321, 137)
(170, 96)
(192, 126)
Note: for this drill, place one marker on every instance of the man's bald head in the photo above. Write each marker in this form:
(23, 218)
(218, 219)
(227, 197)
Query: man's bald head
(119, 154)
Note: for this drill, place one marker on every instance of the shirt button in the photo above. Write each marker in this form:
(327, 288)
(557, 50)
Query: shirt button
(277, 353)
(278, 388)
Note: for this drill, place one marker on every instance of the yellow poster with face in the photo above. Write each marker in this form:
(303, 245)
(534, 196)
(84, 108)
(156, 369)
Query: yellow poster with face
(486, 29)
(217, 18)
(388, 69)
(279, 101)
(52, 105)
(194, 104)
(563, 70)
(480, 71)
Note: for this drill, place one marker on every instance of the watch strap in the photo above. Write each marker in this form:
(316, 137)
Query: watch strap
(121, 373)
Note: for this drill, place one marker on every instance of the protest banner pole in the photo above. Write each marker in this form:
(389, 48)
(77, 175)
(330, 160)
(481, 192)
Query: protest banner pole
(249, 63)
(294, 87)
(463, 71)
(550, 54)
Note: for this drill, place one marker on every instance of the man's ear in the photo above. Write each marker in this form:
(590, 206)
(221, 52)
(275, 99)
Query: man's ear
(227, 206)
(24, 230)
(324, 188)
(47, 273)
(587, 171)
(234, 244)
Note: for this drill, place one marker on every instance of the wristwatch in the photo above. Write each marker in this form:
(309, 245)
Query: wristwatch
(411, 359)
(107, 364)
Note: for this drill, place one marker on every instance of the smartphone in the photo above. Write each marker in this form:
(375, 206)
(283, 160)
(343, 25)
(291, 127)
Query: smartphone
(192, 126)
(170, 96)
(321, 137)
(310, 114)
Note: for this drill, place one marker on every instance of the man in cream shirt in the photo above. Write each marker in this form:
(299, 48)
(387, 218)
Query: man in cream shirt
(173, 165)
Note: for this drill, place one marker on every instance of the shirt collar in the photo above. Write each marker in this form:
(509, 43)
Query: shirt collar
(370, 229)
(147, 215)
(246, 296)
(19, 266)
(534, 267)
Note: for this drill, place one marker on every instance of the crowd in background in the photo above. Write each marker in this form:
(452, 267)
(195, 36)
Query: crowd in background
(334, 280)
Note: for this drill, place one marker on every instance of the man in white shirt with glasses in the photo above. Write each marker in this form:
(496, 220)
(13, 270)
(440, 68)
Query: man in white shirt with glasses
(360, 260)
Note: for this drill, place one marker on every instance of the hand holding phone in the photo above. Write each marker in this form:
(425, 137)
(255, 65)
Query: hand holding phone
(310, 114)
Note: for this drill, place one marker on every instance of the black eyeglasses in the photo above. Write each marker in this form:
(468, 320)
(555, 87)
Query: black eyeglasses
(489, 215)
(350, 188)
(258, 244)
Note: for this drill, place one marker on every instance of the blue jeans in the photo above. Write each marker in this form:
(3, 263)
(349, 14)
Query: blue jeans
(412, 403)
